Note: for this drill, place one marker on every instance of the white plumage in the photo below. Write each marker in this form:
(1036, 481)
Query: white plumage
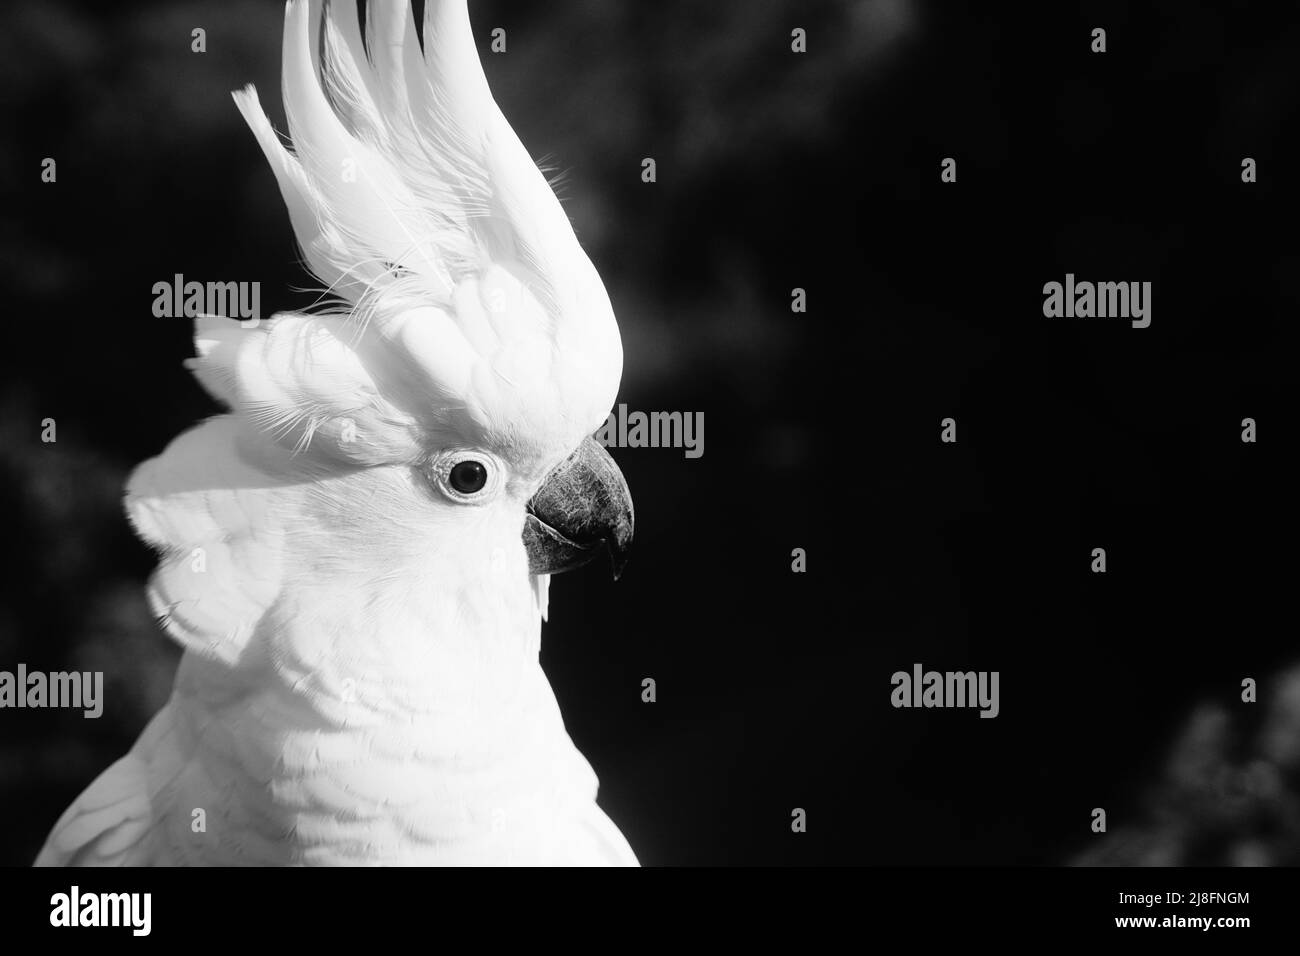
(360, 681)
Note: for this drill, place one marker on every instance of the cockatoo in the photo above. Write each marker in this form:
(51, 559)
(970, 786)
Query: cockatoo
(356, 556)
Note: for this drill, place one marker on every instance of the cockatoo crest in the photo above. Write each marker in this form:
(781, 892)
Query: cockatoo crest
(413, 200)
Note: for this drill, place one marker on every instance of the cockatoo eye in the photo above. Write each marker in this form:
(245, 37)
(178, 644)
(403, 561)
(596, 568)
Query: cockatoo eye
(468, 476)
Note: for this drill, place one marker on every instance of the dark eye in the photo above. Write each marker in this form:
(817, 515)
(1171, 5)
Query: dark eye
(468, 477)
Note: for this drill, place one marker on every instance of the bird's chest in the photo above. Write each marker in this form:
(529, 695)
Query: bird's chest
(279, 784)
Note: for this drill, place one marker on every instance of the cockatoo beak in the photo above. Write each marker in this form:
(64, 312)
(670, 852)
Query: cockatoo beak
(581, 505)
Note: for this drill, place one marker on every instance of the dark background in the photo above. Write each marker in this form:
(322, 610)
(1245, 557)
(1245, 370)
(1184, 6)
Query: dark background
(776, 171)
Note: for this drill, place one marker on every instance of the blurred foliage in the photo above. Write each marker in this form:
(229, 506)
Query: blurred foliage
(1230, 793)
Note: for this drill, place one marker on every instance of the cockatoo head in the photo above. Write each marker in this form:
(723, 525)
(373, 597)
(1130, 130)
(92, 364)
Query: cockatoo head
(432, 424)
(479, 348)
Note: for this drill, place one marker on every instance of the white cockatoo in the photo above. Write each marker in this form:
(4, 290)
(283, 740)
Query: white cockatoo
(356, 556)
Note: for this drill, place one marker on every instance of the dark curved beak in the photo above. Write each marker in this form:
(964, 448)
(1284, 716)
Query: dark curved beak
(583, 504)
